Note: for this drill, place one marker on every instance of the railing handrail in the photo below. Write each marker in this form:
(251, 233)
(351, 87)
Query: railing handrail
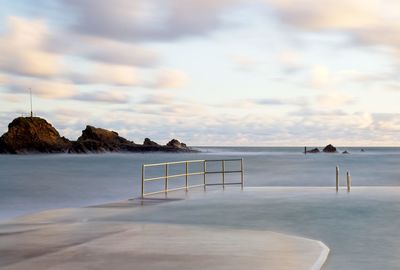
(204, 172)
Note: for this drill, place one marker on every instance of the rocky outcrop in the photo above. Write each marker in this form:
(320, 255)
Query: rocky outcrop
(100, 140)
(150, 143)
(174, 143)
(32, 134)
(313, 151)
(330, 149)
(36, 135)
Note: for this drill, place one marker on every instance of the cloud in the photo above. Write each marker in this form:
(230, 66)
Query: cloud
(147, 20)
(108, 74)
(321, 77)
(290, 60)
(111, 96)
(168, 79)
(334, 100)
(244, 62)
(114, 52)
(42, 88)
(370, 22)
(22, 49)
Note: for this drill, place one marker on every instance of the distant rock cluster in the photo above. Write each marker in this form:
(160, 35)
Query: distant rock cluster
(328, 149)
(36, 135)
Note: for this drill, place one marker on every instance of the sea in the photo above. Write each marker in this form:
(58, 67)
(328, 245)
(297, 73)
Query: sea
(32, 183)
(360, 227)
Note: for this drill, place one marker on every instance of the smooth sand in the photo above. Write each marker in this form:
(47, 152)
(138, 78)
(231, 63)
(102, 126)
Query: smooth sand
(95, 238)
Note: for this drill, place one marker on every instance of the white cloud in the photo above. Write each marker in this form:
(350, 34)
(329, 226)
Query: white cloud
(116, 75)
(22, 49)
(147, 20)
(321, 77)
(114, 52)
(42, 88)
(333, 100)
(111, 96)
(371, 22)
(168, 79)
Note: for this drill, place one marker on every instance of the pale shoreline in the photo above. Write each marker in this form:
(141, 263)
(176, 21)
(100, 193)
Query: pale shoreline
(93, 237)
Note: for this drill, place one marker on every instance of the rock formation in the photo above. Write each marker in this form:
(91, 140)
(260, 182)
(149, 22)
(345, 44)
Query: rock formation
(36, 135)
(148, 142)
(100, 140)
(313, 151)
(330, 149)
(176, 144)
(32, 134)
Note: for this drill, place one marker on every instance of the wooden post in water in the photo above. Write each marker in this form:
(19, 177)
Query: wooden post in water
(337, 178)
(348, 182)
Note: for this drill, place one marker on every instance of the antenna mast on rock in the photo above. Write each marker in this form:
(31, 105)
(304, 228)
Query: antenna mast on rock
(30, 92)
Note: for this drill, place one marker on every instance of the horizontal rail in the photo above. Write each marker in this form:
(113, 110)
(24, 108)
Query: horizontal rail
(226, 184)
(187, 174)
(172, 163)
(172, 176)
(220, 160)
(223, 172)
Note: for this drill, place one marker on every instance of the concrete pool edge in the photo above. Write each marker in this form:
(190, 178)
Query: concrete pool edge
(86, 218)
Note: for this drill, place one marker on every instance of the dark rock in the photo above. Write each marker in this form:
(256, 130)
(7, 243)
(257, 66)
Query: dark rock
(362, 150)
(100, 140)
(346, 152)
(32, 134)
(36, 135)
(313, 151)
(148, 142)
(330, 149)
(176, 144)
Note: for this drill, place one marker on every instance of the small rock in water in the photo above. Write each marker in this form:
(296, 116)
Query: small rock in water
(346, 152)
(330, 149)
(313, 151)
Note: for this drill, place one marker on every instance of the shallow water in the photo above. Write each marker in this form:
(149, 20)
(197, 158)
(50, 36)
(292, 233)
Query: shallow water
(29, 183)
(359, 227)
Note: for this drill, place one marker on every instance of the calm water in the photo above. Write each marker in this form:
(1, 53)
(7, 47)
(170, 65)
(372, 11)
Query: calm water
(359, 227)
(29, 183)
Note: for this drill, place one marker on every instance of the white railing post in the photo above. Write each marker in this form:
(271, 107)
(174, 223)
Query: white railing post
(223, 173)
(166, 178)
(241, 172)
(143, 168)
(187, 172)
(204, 173)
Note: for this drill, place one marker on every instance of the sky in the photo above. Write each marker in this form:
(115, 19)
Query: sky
(209, 72)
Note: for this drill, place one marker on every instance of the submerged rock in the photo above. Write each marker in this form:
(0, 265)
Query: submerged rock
(330, 149)
(32, 134)
(346, 152)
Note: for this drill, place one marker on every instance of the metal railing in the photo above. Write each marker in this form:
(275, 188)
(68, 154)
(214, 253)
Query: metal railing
(167, 176)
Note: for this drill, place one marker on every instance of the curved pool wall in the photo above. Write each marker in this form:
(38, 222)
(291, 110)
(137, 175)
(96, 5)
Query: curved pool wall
(360, 227)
